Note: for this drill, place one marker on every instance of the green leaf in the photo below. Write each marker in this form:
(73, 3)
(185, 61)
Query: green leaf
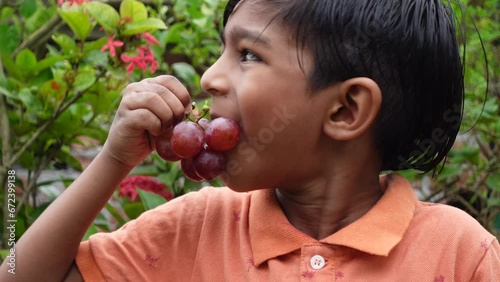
(67, 44)
(79, 22)
(26, 61)
(91, 231)
(133, 210)
(496, 223)
(145, 170)
(147, 25)
(39, 18)
(493, 202)
(94, 45)
(186, 72)
(7, 93)
(112, 210)
(48, 62)
(31, 102)
(28, 8)
(9, 37)
(4, 253)
(102, 222)
(104, 14)
(493, 181)
(20, 227)
(96, 58)
(11, 67)
(173, 34)
(133, 11)
(84, 79)
(150, 200)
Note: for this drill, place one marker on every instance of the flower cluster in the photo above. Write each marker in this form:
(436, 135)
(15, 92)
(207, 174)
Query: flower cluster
(142, 60)
(128, 187)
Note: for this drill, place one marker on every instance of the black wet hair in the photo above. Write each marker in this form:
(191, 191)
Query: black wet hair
(410, 48)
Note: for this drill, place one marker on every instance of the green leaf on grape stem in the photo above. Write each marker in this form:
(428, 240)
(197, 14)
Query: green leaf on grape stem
(133, 11)
(150, 200)
(104, 14)
(79, 22)
(147, 25)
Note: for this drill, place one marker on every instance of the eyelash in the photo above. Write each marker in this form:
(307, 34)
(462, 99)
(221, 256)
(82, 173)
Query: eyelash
(246, 52)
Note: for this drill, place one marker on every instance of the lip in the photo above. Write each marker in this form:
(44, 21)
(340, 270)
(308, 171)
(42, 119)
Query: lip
(214, 116)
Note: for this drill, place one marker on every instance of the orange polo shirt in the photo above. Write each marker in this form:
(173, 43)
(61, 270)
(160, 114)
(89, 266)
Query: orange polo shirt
(220, 235)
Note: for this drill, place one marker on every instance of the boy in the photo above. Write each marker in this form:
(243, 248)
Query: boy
(322, 113)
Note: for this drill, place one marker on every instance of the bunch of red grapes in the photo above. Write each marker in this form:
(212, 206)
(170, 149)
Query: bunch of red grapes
(199, 145)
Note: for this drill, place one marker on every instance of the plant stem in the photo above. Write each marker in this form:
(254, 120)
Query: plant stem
(45, 30)
(31, 184)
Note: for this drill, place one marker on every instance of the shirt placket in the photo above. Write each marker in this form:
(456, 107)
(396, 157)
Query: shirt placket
(317, 262)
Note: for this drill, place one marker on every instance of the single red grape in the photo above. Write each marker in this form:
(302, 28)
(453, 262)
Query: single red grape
(188, 169)
(164, 149)
(209, 164)
(222, 134)
(187, 139)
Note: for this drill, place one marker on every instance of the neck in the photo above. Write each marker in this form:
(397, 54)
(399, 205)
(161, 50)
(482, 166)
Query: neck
(322, 207)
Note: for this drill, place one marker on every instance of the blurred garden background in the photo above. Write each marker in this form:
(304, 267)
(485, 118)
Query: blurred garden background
(63, 65)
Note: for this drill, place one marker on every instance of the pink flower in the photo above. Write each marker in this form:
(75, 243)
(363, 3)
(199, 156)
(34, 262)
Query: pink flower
(150, 39)
(141, 61)
(111, 46)
(128, 187)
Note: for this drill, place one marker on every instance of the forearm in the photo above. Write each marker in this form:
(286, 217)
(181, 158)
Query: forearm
(45, 252)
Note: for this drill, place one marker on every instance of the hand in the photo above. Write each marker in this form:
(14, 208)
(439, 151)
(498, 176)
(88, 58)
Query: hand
(148, 108)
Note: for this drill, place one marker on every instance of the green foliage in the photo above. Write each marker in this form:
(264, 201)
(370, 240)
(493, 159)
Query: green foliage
(53, 94)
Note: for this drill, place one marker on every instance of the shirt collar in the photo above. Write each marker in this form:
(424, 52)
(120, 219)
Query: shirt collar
(376, 232)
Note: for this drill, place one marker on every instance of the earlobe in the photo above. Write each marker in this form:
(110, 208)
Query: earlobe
(354, 109)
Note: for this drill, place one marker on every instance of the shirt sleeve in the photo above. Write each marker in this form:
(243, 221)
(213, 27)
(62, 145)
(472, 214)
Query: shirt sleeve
(161, 241)
(488, 268)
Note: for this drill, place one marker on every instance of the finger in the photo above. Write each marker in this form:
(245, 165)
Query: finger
(172, 101)
(154, 103)
(174, 85)
(143, 120)
(175, 104)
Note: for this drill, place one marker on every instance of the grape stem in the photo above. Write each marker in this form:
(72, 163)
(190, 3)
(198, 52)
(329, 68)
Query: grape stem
(204, 113)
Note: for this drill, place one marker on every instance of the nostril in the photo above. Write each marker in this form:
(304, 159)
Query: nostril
(213, 92)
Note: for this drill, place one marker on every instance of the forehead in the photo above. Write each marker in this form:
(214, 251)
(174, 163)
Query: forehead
(255, 16)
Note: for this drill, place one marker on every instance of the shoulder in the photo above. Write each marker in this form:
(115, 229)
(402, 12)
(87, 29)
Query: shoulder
(448, 221)
(450, 234)
(192, 207)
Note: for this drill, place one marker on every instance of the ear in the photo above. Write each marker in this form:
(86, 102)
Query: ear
(353, 109)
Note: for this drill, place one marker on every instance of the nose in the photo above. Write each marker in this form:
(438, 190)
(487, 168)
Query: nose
(215, 80)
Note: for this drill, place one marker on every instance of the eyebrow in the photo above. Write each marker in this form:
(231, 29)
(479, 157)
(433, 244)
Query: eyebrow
(238, 33)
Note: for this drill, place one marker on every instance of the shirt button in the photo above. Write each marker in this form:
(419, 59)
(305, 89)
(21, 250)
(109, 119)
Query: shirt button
(317, 262)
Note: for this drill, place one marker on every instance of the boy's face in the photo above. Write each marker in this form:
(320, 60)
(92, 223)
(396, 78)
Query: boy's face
(259, 83)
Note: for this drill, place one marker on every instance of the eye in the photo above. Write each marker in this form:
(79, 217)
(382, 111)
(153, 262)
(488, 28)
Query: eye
(248, 56)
